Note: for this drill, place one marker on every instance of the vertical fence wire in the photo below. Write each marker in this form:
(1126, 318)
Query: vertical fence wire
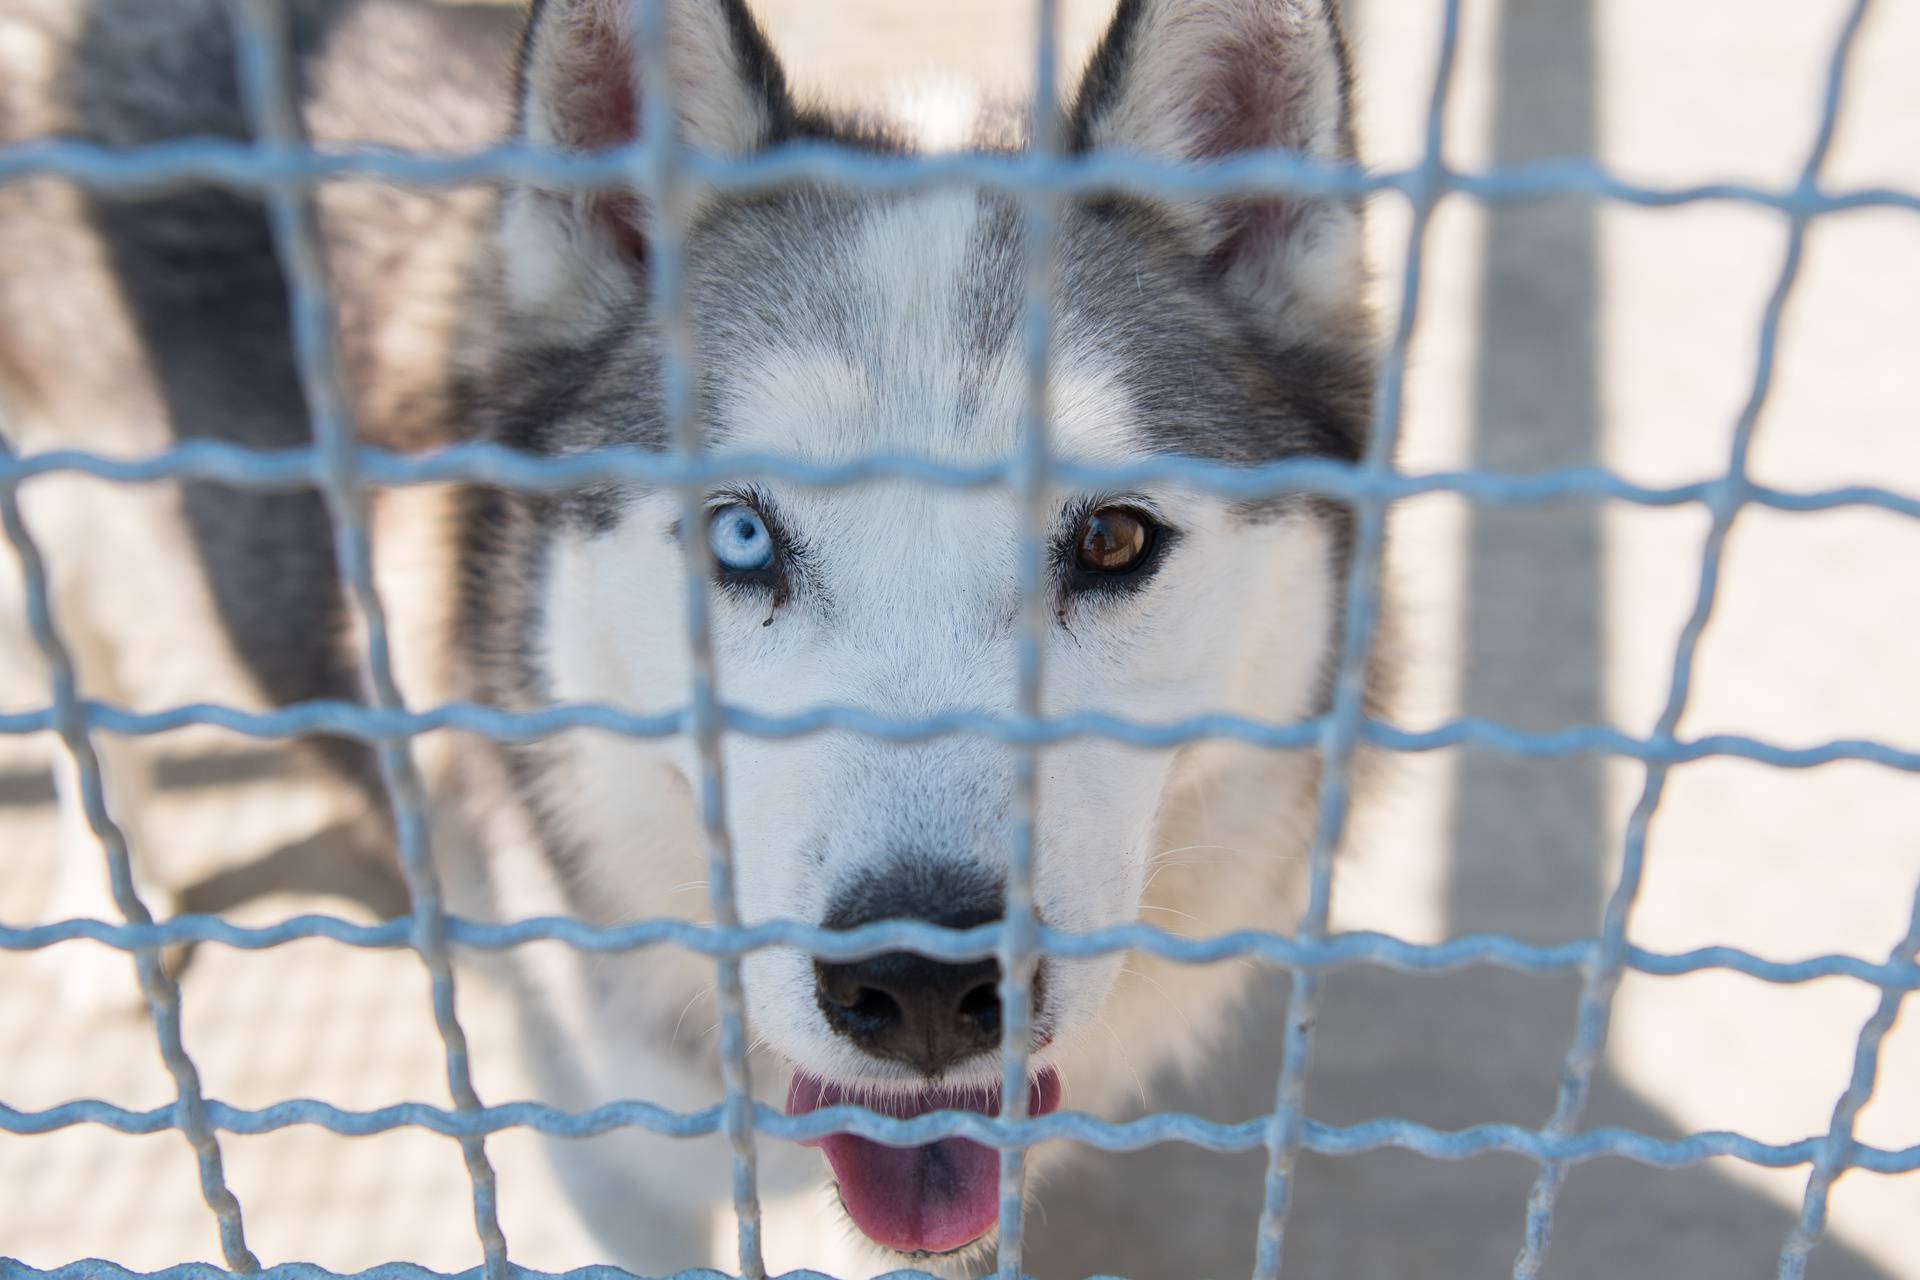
(264, 63)
(1286, 1130)
(671, 196)
(1728, 495)
(1019, 941)
(660, 167)
(161, 992)
(1836, 1152)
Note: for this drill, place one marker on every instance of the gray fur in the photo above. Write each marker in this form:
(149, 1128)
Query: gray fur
(523, 317)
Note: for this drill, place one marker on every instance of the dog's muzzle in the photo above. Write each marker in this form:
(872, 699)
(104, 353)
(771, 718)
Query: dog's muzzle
(931, 1016)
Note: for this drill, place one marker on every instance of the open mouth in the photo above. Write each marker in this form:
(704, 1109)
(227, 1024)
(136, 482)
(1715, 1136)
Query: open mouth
(930, 1199)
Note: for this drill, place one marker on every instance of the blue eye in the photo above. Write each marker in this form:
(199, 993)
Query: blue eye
(739, 538)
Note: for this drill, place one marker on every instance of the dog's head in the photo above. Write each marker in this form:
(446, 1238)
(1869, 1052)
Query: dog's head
(833, 324)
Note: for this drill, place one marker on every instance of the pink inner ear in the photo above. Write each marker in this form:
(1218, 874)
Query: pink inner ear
(624, 217)
(1251, 98)
(1250, 228)
(594, 105)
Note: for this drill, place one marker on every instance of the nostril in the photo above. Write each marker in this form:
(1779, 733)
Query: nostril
(870, 1011)
(980, 1009)
(854, 1003)
(913, 1009)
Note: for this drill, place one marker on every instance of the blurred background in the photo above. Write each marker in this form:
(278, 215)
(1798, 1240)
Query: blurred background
(1551, 334)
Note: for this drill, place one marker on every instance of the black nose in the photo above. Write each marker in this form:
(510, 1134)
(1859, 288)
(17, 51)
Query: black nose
(928, 1014)
(925, 1013)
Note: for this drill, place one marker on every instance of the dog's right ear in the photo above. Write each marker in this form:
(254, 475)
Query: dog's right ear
(579, 92)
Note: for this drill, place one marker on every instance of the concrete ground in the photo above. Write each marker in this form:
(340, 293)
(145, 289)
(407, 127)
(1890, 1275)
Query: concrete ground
(1556, 333)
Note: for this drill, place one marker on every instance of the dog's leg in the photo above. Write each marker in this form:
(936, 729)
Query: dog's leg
(651, 1201)
(95, 979)
(650, 1234)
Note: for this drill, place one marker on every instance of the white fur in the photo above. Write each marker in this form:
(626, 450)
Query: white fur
(914, 610)
(923, 619)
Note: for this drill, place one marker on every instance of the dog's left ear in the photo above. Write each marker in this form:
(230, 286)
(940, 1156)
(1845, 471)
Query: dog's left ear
(568, 253)
(1198, 80)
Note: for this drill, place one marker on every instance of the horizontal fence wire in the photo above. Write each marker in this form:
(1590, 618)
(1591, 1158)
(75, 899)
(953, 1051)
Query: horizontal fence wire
(282, 168)
(366, 724)
(169, 165)
(484, 462)
(1086, 1130)
(1335, 951)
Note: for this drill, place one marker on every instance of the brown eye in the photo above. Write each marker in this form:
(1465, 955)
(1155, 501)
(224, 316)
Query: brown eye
(1112, 540)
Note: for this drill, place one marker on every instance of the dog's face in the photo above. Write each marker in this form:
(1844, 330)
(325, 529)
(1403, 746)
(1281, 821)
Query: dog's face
(831, 326)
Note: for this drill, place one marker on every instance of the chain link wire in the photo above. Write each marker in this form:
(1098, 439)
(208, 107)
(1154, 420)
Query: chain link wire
(284, 170)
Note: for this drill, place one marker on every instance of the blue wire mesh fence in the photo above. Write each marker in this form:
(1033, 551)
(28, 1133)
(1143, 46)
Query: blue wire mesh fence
(284, 170)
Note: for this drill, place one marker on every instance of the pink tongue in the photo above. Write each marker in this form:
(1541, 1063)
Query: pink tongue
(921, 1199)
(929, 1199)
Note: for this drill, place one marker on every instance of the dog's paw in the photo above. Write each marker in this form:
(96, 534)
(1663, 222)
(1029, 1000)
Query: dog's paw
(94, 981)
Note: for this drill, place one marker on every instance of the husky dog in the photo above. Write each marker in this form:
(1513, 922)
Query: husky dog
(829, 324)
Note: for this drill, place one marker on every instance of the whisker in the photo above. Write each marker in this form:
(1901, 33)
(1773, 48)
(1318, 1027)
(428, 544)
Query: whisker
(1189, 848)
(684, 1011)
(1153, 982)
(1126, 1060)
(1274, 855)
